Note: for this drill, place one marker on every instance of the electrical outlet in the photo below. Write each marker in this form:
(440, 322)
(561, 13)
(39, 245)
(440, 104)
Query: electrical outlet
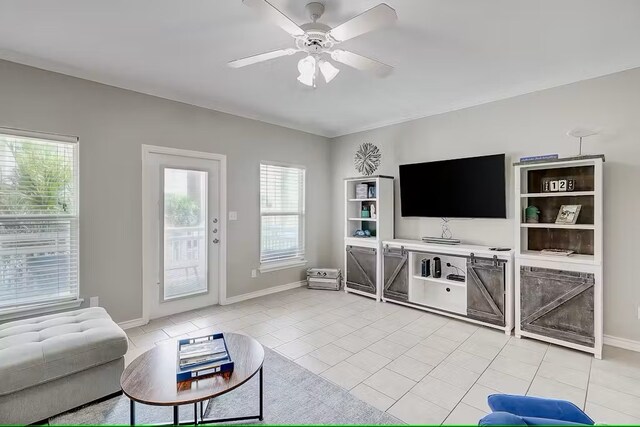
(233, 216)
(93, 302)
(638, 312)
(254, 273)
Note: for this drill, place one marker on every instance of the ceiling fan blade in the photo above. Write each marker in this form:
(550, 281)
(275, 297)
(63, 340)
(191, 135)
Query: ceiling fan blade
(374, 18)
(260, 58)
(361, 63)
(268, 11)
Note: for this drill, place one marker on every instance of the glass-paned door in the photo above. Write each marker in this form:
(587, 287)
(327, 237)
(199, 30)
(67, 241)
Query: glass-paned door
(184, 233)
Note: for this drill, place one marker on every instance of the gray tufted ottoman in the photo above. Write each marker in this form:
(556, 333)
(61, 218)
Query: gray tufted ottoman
(54, 363)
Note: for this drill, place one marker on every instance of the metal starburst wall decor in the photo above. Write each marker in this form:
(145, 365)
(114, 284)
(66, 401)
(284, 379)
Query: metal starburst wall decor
(367, 158)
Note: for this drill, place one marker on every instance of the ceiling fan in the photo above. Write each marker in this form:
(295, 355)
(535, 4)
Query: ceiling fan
(319, 41)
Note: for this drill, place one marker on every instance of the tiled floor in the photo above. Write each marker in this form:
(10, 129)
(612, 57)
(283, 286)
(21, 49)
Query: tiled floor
(420, 367)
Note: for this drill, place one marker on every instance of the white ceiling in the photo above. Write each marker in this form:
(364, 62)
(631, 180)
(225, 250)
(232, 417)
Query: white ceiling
(447, 54)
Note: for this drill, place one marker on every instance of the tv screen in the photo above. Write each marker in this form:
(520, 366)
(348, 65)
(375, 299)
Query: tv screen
(473, 187)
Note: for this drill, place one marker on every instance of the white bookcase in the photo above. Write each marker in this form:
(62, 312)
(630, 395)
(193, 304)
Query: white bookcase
(558, 299)
(362, 255)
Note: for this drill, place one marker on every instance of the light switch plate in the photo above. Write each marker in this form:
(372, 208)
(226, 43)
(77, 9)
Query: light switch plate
(233, 216)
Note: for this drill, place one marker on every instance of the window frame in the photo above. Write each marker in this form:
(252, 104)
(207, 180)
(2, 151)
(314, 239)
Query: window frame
(34, 308)
(294, 261)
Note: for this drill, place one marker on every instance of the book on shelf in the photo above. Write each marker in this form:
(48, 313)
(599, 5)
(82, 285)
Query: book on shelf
(557, 252)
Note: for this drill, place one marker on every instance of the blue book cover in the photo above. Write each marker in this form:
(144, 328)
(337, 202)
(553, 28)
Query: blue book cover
(539, 158)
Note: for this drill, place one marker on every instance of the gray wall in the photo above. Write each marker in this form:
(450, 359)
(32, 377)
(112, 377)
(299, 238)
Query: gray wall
(528, 125)
(112, 124)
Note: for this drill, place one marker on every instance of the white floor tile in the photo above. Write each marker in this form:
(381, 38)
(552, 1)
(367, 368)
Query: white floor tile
(403, 338)
(345, 375)
(440, 343)
(502, 382)
(426, 354)
(338, 329)
(615, 380)
(269, 341)
(564, 374)
(439, 392)
(468, 361)
(387, 348)
(372, 396)
(568, 358)
(410, 367)
(477, 397)
(331, 354)
(368, 360)
(311, 363)
(544, 387)
(288, 333)
(522, 354)
(413, 409)
(352, 343)
(295, 349)
(390, 383)
(529, 344)
(179, 329)
(455, 375)
(514, 367)
(318, 338)
(370, 334)
(486, 350)
(603, 415)
(464, 415)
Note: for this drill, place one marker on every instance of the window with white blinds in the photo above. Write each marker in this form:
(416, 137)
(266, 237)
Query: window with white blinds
(281, 213)
(38, 220)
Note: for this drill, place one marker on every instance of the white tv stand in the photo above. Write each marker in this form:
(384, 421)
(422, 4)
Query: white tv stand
(485, 297)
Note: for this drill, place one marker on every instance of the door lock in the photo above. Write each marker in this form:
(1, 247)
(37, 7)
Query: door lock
(215, 220)
(215, 230)
(216, 240)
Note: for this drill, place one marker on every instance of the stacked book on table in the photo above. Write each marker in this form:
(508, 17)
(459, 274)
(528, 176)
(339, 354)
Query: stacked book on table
(203, 356)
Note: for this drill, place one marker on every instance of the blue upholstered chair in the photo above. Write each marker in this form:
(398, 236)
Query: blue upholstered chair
(531, 411)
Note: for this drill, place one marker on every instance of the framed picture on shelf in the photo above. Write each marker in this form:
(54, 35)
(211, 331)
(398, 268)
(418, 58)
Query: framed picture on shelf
(372, 191)
(568, 214)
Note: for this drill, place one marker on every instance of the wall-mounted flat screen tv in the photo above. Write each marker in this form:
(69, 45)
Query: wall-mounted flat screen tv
(472, 187)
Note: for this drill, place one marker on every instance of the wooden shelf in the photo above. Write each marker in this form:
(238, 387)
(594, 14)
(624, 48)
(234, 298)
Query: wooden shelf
(441, 281)
(559, 194)
(363, 200)
(574, 258)
(363, 219)
(565, 226)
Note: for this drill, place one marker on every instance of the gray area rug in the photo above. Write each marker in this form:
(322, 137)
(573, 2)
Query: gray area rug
(292, 395)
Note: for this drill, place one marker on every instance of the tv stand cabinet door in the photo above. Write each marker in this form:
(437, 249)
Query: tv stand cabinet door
(486, 291)
(396, 274)
(361, 269)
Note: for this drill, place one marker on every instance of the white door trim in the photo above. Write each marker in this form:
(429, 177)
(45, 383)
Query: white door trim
(154, 149)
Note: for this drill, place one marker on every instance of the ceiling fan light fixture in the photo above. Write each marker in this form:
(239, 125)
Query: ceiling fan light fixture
(328, 70)
(307, 69)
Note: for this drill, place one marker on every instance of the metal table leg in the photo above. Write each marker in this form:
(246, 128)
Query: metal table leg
(176, 417)
(132, 412)
(261, 396)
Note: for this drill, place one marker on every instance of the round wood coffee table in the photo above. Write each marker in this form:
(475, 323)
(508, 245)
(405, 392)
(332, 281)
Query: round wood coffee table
(151, 379)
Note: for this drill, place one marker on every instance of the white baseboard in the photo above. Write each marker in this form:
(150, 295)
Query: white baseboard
(625, 343)
(263, 292)
(132, 323)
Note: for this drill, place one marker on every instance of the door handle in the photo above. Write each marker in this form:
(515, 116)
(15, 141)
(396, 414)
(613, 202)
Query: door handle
(216, 240)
